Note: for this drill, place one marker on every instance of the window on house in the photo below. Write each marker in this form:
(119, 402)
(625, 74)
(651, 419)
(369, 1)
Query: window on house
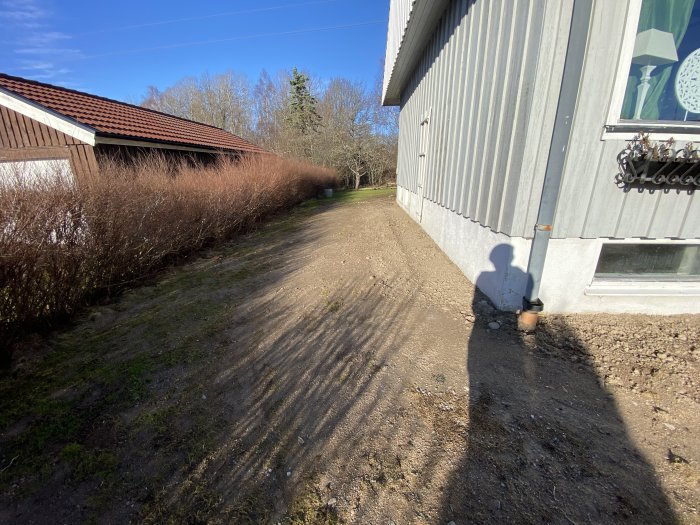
(661, 262)
(664, 78)
(35, 173)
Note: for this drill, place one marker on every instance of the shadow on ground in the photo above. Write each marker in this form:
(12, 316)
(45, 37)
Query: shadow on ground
(213, 395)
(545, 442)
(270, 382)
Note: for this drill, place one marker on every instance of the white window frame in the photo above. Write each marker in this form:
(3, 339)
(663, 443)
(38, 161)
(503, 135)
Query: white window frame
(614, 129)
(644, 287)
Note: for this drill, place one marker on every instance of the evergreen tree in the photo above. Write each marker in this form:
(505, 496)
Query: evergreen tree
(302, 115)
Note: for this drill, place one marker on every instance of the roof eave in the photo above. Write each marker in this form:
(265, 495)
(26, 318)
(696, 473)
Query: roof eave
(47, 116)
(425, 16)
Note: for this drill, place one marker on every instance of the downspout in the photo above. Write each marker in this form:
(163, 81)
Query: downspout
(571, 80)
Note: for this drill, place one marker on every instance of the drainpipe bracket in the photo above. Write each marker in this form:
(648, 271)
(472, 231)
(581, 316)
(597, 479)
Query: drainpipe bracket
(532, 306)
(543, 227)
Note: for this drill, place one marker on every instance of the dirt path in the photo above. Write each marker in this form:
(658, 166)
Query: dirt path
(335, 367)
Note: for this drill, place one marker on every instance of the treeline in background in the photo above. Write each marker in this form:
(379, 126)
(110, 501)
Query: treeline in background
(338, 124)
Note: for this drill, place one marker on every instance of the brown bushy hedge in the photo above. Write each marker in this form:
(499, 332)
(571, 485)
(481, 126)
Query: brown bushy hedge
(62, 244)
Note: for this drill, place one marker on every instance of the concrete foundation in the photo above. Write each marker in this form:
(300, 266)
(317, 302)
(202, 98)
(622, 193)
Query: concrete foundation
(497, 264)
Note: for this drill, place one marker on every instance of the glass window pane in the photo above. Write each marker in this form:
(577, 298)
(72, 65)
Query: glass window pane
(649, 261)
(664, 77)
(35, 173)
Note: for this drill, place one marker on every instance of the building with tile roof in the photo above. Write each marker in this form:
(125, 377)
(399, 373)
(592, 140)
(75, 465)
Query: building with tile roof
(40, 122)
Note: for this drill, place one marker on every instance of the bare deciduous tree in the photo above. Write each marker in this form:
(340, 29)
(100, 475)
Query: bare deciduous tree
(341, 125)
(223, 101)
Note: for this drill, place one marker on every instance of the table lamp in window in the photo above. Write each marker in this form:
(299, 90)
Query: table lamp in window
(651, 48)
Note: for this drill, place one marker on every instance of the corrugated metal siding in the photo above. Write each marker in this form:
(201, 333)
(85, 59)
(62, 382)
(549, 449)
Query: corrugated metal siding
(487, 78)
(23, 138)
(490, 79)
(590, 205)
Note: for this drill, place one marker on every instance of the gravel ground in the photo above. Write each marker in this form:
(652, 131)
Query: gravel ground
(336, 367)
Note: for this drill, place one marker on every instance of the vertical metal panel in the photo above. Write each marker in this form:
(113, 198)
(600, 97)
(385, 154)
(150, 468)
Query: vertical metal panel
(457, 108)
(441, 117)
(490, 78)
(482, 104)
(516, 173)
(691, 219)
(496, 127)
(514, 111)
(590, 203)
(476, 21)
(539, 128)
(478, 78)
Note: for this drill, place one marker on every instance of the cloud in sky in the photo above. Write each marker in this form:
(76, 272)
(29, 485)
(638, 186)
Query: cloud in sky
(43, 70)
(39, 48)
(45, 38)
(22, 11)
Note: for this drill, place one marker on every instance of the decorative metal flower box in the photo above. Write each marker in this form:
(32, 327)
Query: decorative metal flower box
(644, 164)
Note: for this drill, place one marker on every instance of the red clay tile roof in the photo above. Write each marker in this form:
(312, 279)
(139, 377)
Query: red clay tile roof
(117, 119)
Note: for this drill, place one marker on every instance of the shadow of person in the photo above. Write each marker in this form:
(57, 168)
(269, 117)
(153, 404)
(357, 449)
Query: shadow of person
(506, 284)
(545, 442)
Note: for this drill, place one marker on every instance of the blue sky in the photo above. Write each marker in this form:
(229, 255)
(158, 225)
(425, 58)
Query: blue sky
(118, 49)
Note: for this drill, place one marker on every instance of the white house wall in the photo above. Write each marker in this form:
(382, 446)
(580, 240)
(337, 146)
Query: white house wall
(489, 81)
(476, 250)
(590, 204)
(568, 285)
(497, 263)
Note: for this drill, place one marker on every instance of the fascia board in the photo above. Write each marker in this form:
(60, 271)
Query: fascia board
(425, 16)
(47, 116)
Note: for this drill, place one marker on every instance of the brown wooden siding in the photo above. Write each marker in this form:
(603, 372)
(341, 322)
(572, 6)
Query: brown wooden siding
(23, 138)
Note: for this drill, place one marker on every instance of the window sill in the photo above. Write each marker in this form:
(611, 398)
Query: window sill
(658, 132)
(643, 288)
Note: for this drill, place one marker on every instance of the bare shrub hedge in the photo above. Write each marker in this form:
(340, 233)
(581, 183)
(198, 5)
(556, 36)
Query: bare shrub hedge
(62, 244)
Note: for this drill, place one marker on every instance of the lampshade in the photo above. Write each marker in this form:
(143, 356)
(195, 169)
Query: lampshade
(654, 48)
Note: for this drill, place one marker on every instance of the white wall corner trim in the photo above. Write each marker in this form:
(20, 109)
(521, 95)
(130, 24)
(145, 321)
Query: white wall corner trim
(48, 117)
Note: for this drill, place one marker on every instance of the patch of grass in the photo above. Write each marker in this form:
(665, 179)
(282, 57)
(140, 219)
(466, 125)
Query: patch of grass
(334, 305)
(362, 193)
(344, 196)
(439, 378)
(251, 510)
(309, 509)
(100, 499)
(89, 463)
(195, 504)
(58, 422)
(158, 421)
(127, 380)
(198, 444)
